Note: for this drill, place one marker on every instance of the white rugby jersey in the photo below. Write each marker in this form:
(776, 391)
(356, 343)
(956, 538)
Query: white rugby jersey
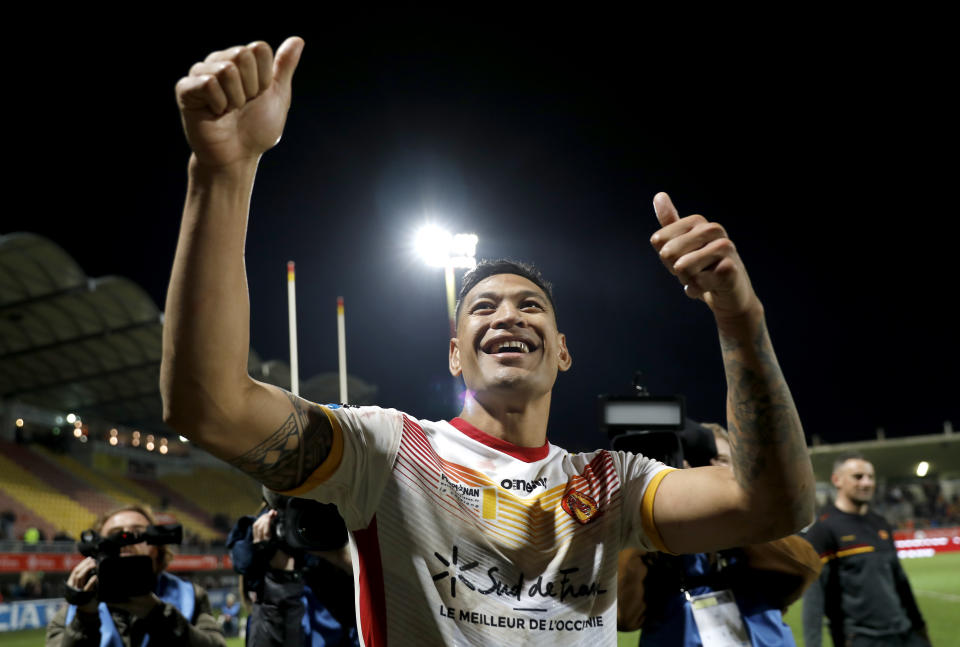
(460, 538)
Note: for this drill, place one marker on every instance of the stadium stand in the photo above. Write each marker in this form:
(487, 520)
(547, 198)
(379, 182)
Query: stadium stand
(216, 491)
(124, 490)
(43, 500)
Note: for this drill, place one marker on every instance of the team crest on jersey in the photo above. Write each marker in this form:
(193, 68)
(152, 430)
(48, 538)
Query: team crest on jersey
(580, 506)
(884, 535)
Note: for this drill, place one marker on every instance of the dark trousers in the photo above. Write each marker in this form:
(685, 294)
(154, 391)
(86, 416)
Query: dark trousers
(906, 639)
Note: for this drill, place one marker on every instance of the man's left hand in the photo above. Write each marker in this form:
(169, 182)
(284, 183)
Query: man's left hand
(699, 253)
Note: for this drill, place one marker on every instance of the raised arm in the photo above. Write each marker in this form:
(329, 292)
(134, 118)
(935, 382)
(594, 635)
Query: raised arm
(233, 106)
(770, 493)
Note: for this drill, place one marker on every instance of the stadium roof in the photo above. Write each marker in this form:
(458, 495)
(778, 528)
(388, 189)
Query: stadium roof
(71, 342)
(896, 458)
(93, 346)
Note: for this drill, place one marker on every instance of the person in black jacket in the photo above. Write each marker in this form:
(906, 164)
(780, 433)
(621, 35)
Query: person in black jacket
(863, 589)
(299, 597)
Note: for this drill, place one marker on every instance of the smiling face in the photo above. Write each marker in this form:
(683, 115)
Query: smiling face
(855, 482)
(507, 342)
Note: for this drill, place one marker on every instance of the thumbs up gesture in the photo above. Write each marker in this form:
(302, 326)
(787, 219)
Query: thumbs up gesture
(699, 253)
(234, 104)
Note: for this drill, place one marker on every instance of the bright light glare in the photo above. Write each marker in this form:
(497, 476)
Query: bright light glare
(71, 417)
(433, 244)
(77, 433)
(113, 440)
(149, 445)
(163, 449)
(439, 248)
(19, 422)
(183, 439)
(922, 468)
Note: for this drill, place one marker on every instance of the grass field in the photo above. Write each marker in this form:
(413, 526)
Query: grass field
(935, 581)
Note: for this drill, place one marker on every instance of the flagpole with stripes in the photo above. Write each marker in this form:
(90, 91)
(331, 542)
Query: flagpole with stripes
(342, 348)
(292, 320)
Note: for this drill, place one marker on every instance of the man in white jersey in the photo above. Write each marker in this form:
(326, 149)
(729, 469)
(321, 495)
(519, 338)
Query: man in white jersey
(476, 530)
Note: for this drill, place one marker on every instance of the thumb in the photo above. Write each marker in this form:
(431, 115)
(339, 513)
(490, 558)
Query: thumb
(285, 62)
(666, 212)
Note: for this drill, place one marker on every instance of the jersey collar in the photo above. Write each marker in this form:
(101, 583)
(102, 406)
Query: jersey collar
(525, 454)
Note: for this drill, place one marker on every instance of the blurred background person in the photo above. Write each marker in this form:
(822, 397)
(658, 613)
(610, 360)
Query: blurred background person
(175, 612)
(230, 616)
(296, 574)
(862, 590)
(662, 594)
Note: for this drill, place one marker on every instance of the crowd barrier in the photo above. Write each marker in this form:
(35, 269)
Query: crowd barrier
(927, 542)
(27, 614)
(36, 614)
(64, 563)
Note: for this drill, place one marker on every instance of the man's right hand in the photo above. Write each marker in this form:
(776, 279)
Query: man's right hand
(234, 104)
(83, 577)
(262, 531)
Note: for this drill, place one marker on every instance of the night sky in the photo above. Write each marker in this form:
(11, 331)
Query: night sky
(819, 154)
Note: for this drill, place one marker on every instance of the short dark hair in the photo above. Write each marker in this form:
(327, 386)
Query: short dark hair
(485, 269)
(849, 456)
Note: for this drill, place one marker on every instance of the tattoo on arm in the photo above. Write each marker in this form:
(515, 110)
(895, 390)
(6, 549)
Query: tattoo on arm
(762, 419)
(285, 459)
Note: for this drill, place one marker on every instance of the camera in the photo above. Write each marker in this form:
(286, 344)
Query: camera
(655, 426)
(305, 524)
(121, 577)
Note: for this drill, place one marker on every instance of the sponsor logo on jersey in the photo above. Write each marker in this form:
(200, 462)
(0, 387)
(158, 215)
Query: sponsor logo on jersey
(884, 535)
(848, 538)
(580, 506)
(525, 486)
(458, 569)
(454, 571)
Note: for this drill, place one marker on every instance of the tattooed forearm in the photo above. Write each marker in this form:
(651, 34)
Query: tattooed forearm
(767, 443)
(285, 459)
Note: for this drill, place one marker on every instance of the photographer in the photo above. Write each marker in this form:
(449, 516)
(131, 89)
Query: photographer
(296, 574)
(678, 600)
(175, 612)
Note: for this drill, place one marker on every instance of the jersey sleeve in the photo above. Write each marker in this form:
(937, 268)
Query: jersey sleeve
(640, 477)
(364, 448)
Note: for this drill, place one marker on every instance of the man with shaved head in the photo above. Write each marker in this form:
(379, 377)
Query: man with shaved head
(862, 590)
(475, 530)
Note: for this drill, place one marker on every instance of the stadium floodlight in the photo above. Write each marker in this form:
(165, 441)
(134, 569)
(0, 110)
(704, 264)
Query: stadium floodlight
(439, 248)
(922, 468)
